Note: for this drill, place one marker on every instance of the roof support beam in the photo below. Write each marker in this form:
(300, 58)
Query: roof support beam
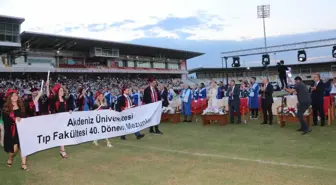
(281, 48)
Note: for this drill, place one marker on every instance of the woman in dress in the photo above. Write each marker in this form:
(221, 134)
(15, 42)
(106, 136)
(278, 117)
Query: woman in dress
(244, 92)
(212, 96)
(58, 104)
(101, 104)
(13, 111)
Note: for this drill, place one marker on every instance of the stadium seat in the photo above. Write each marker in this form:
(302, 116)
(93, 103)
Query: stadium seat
(197, 107)
(327, 108)
(244, 110)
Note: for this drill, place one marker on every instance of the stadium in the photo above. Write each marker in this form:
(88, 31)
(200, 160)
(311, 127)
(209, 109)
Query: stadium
(31, 52)
(188, 153)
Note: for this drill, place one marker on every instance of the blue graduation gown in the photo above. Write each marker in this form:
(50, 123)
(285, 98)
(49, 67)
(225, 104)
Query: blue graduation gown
(186, 105)
(195, 94)
(219, 92)
(202, 94)
(135, 98)
(253, 101)
(108, 98)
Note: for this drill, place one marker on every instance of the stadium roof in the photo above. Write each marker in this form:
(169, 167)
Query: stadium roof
(259, 68)
(51, 41)
(10, 19)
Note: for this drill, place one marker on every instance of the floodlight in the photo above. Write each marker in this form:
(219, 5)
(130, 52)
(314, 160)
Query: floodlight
(235, 62)
(302, 56)
(265, 60)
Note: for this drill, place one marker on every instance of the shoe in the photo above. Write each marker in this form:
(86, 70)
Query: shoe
(322, 125)
(189, 121)
(152, 132)
(9, 163)
(306, 132)
(184, 121)
(271, 123)
(95, 143)
(158, 132)
(140, 136)
(299, 130)
(63, 154)
(24, 167)
(108, 144)
(263, 123)
(123, 137)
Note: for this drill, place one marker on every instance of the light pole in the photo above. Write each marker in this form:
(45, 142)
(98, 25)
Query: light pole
(264, 11)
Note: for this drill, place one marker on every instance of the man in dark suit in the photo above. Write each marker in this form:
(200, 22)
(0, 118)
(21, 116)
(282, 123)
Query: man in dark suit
(124, 102)
(304, 102)
(282, 74)
(317, 99)
(233, 93)
(151, 95)
(267, 101)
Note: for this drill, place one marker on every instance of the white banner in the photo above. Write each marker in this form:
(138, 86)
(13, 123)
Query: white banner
(44, 132)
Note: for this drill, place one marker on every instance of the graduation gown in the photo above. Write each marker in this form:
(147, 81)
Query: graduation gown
(123, 103)
(186, 102)
(202, 93)
(253, 100)
(11, 136)
(149, 97)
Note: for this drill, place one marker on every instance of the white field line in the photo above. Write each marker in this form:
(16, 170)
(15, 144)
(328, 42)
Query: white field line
(231, 158)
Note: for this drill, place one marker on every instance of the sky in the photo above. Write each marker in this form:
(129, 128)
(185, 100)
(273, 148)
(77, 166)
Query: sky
(209, 26)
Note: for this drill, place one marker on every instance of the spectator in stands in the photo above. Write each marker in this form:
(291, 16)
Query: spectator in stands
(253, 98)
(317, 99)
(282, 73)
(233, 93)
(267, 101)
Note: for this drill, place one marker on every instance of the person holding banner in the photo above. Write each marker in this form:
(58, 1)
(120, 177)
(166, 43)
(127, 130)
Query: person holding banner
(151, 95)
(38, 104)
(125, 102)
(58, 104)
(101, 104)
(13, 111)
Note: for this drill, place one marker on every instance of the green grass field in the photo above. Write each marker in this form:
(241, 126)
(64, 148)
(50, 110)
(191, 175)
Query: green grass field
(190, 154)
